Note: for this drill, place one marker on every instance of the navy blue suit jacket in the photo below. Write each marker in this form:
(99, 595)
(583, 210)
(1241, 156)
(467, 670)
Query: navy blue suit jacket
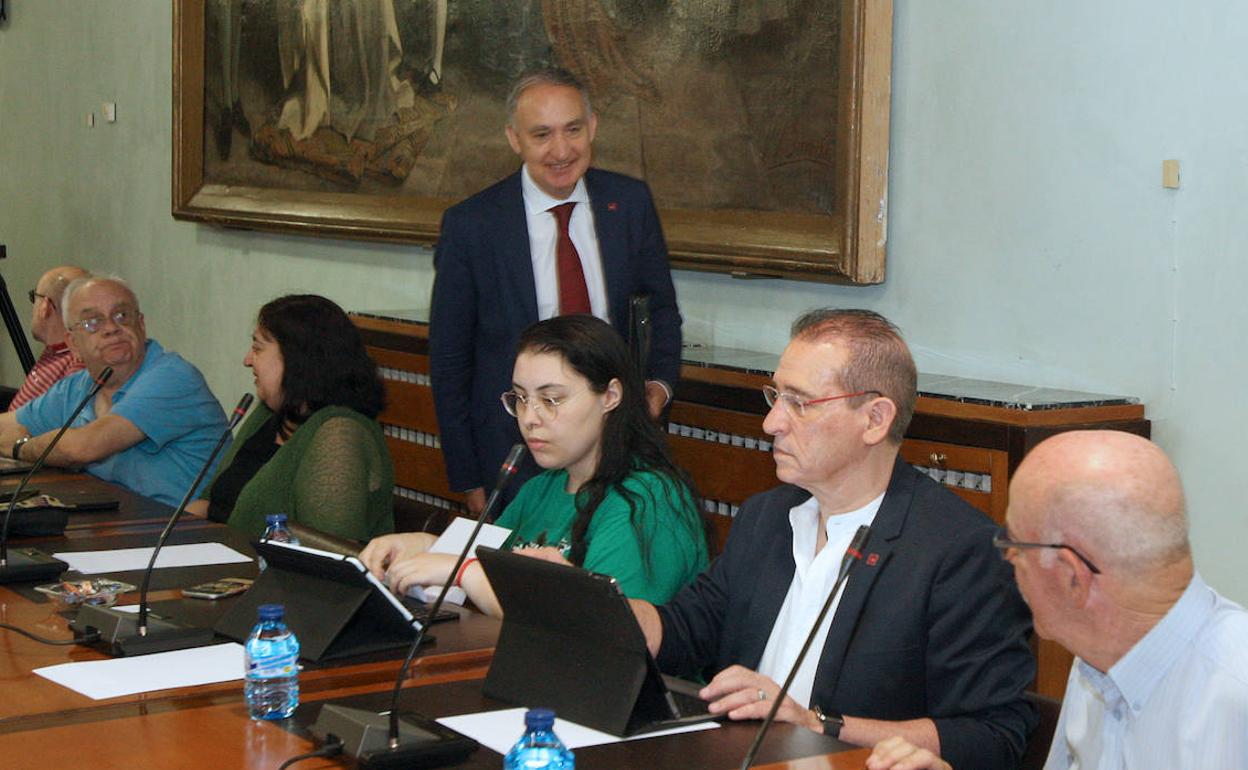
(930, 623)
(484, 297)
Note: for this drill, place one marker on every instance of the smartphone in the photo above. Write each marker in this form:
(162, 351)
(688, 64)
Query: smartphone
(217, 589)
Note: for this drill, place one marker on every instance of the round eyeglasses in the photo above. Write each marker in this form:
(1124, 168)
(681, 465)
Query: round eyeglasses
(95, 323)
(515, 403)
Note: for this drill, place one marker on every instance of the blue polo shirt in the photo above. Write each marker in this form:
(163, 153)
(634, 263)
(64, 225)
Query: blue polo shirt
(167, 399)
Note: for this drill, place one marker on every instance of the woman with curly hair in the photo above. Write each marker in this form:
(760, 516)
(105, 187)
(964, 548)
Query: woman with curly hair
(312, 448)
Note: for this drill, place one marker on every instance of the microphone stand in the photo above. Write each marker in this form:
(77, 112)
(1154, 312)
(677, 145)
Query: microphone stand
(30, 563)
(359, 730)
(124, 633)
(852, 555)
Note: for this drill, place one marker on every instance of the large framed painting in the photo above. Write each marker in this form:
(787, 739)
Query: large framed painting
(760, 125)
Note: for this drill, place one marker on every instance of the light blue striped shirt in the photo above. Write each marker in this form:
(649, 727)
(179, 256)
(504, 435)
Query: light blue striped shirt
(1177, 699)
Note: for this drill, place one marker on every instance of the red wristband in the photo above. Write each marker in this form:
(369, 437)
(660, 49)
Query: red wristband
(459, 576)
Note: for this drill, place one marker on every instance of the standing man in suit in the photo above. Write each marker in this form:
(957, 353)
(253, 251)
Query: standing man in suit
(555, 238)
(928, 641)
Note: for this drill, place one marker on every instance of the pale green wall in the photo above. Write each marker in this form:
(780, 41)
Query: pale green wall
(1029, 237)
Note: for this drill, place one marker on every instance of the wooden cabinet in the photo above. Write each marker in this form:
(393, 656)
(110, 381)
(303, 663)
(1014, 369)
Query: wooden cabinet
(968, 435)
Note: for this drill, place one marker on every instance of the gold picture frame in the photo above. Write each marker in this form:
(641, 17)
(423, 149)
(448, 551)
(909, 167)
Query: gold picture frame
(847, 245)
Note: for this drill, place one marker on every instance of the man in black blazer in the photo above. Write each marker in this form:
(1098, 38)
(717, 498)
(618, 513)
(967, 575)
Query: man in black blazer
(928, 641)
(498, 270)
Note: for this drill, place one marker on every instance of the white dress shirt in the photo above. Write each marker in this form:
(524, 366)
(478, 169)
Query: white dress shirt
(544, 238)
(813, 578)
(1178, 699)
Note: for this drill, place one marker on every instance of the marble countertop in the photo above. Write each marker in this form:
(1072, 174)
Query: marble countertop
(943, 386)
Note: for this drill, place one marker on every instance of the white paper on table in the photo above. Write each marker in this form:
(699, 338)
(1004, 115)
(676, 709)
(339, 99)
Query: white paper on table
(499, 730)
(131, 559)
(452, 541)
(99, 679)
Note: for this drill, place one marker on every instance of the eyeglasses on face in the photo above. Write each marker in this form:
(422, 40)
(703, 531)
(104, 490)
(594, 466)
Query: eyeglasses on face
(124, 317)
(515, 403)
(35, 295)
(797, 405)
(1004, 543)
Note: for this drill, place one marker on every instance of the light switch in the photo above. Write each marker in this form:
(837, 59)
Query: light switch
(1170, 174)
(90, 120)
(109, 109)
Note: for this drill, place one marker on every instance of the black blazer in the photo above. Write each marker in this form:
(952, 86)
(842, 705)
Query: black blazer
(930, 623)
(484, 297)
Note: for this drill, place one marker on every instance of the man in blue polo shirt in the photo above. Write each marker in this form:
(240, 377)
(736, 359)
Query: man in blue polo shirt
(153, 424)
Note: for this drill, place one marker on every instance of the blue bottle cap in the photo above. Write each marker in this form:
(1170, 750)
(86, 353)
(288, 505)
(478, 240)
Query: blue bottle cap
(539, 719)
(275, 518)
(275, 612)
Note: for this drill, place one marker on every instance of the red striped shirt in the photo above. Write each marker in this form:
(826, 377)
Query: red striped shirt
(55, 362)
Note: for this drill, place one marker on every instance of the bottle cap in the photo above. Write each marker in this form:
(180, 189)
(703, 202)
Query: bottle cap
(273, 612)
(539, 719)
(275, 518)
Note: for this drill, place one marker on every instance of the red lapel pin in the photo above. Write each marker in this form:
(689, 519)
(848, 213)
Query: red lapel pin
(873, 559)
(613, 206)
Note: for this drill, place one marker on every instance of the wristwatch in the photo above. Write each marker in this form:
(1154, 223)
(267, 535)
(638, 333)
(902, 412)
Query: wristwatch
(17, 447)
(832, 722)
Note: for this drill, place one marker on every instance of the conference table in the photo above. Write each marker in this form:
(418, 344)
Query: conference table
(45, 725)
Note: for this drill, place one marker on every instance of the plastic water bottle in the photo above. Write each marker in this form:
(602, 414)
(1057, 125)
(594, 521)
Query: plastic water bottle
(275, 529)
(272, 676)
(539, 747)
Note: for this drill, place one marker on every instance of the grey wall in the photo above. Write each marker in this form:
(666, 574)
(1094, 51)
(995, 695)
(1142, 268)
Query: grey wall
(1030, 239)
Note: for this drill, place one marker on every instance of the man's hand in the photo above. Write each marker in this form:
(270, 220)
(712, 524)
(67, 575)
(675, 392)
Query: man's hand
(744, 694)
(651, 624)
(474, 499)
(897, 753)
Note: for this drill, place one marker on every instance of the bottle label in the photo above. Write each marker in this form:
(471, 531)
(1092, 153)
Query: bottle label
(272, 666)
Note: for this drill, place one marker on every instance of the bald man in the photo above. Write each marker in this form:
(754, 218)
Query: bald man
(1097, 534)
(47, 326)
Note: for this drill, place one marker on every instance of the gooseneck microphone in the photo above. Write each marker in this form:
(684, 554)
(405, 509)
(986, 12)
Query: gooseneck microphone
(359, 730)
(124, 633)
(29, 563)
(853, 554)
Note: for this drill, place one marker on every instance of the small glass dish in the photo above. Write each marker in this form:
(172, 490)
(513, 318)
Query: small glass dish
(97, 592)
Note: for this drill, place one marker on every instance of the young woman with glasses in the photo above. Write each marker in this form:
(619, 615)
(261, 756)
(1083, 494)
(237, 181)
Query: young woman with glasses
(610, 498)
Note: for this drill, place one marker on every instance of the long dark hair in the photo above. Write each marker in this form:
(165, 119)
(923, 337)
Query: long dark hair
(324, 359)
(630, 439)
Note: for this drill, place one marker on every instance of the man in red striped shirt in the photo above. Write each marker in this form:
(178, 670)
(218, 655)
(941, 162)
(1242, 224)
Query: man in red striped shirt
(47, 326)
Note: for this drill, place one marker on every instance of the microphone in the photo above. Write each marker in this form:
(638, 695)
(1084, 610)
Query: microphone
(124, 633)
(852, 555)
(29, 563)
(361, 731)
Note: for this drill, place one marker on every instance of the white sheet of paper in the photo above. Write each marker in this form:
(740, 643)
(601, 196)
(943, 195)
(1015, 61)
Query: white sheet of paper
(101, 679)
(452, 541)
(130, 559)
(500, 730)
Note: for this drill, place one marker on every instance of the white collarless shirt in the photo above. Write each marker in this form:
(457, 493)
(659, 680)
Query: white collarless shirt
(813, 578)
(544, 239)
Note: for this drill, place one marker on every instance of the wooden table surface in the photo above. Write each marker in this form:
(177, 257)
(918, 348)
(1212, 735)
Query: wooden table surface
(44, 725)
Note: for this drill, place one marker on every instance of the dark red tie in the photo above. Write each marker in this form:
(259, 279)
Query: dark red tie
(573, 294)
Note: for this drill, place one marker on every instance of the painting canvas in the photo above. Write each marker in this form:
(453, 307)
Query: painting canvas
(369, 117)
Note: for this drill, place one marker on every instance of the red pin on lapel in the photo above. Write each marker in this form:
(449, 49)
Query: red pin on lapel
(613, 206)
(873, 559)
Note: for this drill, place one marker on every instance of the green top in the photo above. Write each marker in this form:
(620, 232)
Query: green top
(333, 474)
(543, 512)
